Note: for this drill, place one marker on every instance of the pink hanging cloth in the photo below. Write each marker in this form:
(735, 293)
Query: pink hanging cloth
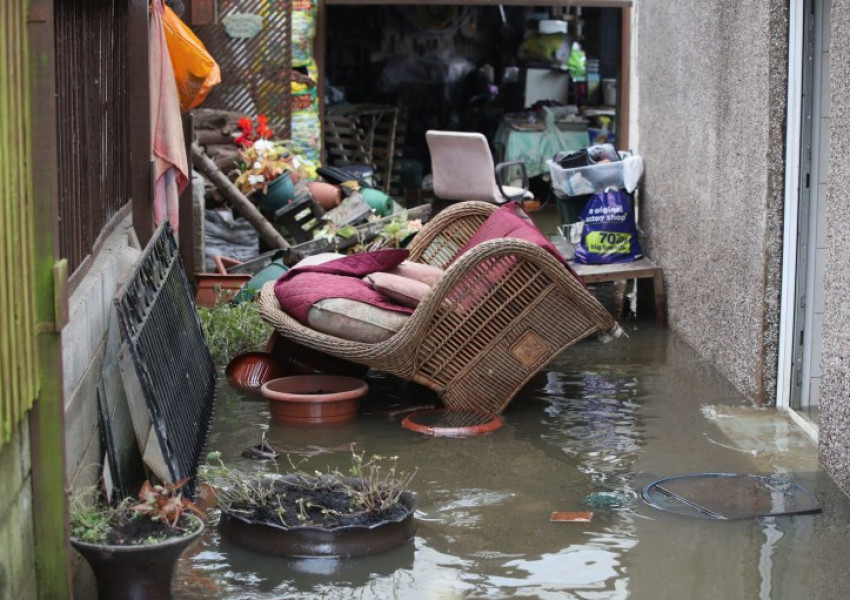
(171, 167)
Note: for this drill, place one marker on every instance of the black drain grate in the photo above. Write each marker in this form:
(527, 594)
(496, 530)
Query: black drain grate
(170, 355)
(729, 496)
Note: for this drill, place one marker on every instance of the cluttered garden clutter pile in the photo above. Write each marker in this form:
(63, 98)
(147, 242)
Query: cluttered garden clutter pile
(268, 204)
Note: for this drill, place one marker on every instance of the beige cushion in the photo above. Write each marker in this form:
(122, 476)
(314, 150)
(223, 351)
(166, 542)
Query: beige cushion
(428, 274)
(317, 259)
(403, 290)
(354, 320)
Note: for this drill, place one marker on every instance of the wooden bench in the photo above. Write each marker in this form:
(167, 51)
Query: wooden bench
(622, 272)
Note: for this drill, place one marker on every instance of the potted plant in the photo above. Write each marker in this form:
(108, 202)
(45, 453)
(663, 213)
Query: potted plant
(134, 546)
(327, 514)
(269, 168)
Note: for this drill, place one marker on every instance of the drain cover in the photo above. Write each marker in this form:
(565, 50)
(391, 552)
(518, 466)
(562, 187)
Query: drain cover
(729, 496)
(444, 422)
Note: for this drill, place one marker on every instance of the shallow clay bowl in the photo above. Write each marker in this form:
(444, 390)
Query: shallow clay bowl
(314, 399)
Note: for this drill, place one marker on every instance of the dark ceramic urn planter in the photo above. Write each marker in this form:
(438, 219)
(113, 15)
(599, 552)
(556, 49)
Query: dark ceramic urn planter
(135, 572)
(321, 542)
(314, 399)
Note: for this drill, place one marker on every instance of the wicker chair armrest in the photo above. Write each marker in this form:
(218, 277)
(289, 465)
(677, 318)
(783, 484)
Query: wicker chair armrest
(495, 317)
(439, 241)
(485, 258)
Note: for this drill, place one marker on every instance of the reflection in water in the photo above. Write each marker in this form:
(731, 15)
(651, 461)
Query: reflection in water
(593, 419)
(483, 502)
(583, 427)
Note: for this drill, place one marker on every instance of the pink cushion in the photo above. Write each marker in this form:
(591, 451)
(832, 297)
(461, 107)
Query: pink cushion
(428, 274)
(511, 221)
(355, 321)
(403, 290)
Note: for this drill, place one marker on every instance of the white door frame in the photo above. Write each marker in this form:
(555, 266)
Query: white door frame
(792, 206)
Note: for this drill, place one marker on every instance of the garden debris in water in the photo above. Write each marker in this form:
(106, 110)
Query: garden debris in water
(261, 451)
(607, 499)
(571, 517)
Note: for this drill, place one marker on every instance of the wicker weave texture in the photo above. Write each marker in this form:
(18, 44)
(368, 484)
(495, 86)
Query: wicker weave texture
(439, 242)
(501, 312)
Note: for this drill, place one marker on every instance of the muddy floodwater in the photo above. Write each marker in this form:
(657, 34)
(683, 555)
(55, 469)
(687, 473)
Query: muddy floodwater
(601, 419)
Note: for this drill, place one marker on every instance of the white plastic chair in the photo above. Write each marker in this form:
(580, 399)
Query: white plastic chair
(463, 169)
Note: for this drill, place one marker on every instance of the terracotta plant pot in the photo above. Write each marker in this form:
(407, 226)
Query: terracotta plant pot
(214, 288)
(314, 399)
(250, 370)
(135, 572)
(326, 194)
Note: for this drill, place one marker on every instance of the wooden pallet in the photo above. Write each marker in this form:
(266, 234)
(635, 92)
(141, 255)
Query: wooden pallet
(365, 135)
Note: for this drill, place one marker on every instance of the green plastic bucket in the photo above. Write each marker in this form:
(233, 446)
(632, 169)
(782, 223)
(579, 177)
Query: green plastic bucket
(271, 272)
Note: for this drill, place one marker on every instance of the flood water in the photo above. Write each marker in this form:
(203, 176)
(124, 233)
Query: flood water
(601, 418)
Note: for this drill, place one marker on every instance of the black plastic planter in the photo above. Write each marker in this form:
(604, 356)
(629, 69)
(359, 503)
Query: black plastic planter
(135, 572)
(311, 541)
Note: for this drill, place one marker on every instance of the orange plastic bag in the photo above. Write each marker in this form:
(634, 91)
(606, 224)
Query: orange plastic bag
(195, 70)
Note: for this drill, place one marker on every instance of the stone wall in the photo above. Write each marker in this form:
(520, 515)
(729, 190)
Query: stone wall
(17, 550)
(711, 124)
(834, 449)
(89, 337)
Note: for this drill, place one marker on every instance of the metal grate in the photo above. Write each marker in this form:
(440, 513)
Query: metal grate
(174, 366)
(729, 496)
(18, 369)
(255, 71)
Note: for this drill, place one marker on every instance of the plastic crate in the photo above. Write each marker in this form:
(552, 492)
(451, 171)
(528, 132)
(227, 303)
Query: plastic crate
(623, 174)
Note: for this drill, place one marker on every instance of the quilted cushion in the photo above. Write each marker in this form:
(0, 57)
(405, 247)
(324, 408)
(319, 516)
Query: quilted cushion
(511, 221)
(301, 287)
(428, 274)
(354, 320)
(403, 290)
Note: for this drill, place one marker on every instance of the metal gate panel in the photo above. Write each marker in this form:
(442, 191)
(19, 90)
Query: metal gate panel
(175, 369)
(255, 71)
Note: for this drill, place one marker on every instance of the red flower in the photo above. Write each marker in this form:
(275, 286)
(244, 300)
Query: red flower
(248, 136)
(264, 132)
(246, 125)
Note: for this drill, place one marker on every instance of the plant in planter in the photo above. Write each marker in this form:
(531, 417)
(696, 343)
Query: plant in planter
(320, 514)
(269, 168)
(133, 547)
(232, 329)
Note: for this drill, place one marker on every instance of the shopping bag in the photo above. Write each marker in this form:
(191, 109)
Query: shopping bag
(195, 70)
(609, 233)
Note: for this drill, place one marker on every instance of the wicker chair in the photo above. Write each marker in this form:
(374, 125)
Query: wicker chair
(501, 312)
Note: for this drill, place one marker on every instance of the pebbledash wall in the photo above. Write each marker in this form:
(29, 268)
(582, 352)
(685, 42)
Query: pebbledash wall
(712, 118)
(834, 438)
